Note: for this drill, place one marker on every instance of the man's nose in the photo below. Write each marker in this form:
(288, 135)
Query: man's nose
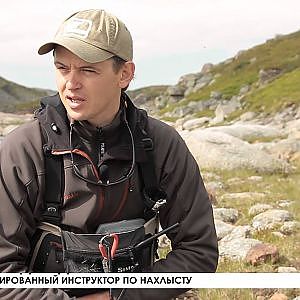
(73, 81)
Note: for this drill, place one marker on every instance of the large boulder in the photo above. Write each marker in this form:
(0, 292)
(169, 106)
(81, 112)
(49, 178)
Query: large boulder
(195, 123)
(271, 218)
(229, 215)
(236, 249)
(262, 253)
(284, 149)
(218, 150)
(223, 229)
(249, 131)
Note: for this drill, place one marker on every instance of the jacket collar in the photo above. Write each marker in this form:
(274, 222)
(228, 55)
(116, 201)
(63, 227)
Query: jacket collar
(55, 123)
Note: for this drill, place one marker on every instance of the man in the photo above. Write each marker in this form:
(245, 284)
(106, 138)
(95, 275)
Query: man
(94, 134)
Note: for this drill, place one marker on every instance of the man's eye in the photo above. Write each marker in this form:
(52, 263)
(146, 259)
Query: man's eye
(61, 68)
(88, 70)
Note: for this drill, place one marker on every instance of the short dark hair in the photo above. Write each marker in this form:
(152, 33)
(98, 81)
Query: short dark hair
(118, 62)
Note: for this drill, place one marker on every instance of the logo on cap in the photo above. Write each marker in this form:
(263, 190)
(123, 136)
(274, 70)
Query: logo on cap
(78, 27)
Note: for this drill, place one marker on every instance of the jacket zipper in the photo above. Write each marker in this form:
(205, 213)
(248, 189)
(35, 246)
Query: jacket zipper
(100, 145)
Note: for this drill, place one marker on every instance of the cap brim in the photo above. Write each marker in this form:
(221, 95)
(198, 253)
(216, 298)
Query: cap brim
(85, 51)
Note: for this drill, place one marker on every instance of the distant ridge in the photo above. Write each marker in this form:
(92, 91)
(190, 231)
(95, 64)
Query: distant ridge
(15, 97)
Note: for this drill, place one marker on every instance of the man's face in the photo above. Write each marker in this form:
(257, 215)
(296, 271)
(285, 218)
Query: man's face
(89, 91)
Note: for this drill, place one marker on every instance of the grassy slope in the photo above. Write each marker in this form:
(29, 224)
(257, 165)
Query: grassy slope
(13, 94)
(282, 53)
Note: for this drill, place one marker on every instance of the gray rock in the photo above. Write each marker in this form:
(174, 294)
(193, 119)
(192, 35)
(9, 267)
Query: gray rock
(247, 116)
(271, 218)
(285, 203)
(222, 228)
(223, 110)
(160, 102)
(206, 68)
(180, 111)
(258, 208)
(283, 149)
(176, 90)
(244, 89)
(290, 227)
(266, 76)
(203, 81)
(197, 106)
(238, 232)
(249, 131)
(236, 249)
(141, 99)
(242, 195)
(195, 123)
(208, 147)
(214, 185)
(189, 80)
(216, 95)
(229, 215)
(293, 125)
(255, 178)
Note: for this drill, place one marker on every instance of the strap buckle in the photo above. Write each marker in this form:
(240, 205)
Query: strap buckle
(147, 144)
(52, 210)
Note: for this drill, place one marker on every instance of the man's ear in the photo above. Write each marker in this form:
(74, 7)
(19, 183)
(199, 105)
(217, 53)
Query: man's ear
(126, 74)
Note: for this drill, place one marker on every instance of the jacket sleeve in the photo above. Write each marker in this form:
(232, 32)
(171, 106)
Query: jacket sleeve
(194, 242)
(21, 170)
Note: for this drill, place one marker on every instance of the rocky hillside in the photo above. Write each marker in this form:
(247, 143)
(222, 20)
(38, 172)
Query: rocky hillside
(259, 81)
(17, 98)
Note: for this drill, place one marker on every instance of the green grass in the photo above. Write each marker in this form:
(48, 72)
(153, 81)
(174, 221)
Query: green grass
(277, 95)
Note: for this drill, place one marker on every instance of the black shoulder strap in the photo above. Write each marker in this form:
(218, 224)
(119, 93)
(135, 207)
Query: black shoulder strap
(54, 177)
(154, 197)
(53, 188)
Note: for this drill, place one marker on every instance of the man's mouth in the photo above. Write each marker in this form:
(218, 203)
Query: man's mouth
(75, 99)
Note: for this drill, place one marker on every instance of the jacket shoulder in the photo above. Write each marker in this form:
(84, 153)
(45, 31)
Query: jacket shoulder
(26, 132)
(24, 140)
(162, 133)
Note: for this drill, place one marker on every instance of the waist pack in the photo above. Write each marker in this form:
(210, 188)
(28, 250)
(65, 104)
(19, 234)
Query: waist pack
(57, 250)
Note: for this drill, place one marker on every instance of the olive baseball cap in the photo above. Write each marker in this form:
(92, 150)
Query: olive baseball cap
(93, 35)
